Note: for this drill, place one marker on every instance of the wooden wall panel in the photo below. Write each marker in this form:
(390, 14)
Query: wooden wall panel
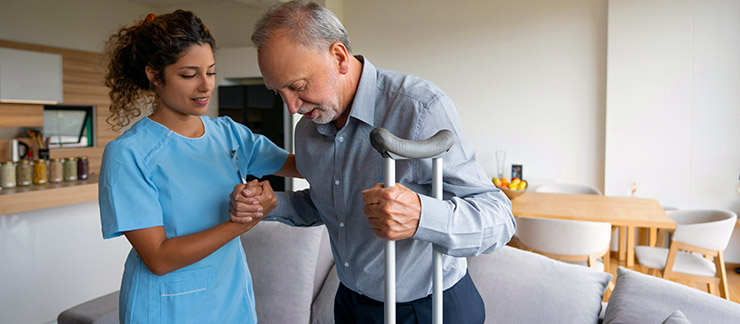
(82, 74)
(21, 115)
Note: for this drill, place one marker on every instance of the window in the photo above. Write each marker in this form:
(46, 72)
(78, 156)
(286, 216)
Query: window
(69, 126)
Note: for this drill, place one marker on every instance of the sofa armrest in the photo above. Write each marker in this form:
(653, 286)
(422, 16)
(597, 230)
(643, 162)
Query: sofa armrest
(101, 310)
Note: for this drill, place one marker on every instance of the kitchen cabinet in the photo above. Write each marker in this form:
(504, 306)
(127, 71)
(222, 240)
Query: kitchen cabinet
(29, 76)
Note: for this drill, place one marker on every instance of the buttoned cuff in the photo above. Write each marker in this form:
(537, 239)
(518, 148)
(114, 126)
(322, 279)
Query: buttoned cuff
(434, 222)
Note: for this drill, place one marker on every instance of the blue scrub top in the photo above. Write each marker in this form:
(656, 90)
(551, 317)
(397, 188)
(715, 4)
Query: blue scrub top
(152, 176)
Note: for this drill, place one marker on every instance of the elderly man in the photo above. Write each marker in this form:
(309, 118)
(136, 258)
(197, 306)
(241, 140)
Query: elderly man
(304, 55)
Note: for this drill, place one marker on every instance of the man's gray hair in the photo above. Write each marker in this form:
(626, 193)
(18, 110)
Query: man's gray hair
(307, 23)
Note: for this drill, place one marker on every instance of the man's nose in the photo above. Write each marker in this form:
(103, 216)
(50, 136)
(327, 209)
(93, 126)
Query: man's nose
(292, 101)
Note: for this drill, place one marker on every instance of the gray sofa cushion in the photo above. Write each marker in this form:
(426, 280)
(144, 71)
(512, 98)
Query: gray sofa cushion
(282, 260)
(676, 317)
(322, 310)
(101, 310)
(639, 298)
(522, 287)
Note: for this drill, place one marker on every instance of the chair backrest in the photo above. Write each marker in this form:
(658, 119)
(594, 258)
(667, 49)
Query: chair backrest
(709, 229)
(560, 236)
(569, 188)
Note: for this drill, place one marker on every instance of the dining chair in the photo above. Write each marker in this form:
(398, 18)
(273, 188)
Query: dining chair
(571, 241)
(696, 249)
(569, 188)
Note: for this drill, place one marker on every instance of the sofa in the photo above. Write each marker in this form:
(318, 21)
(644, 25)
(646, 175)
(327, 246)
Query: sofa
(295, 282)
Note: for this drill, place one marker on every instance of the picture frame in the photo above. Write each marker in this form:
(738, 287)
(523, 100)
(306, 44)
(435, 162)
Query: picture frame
(517, 171)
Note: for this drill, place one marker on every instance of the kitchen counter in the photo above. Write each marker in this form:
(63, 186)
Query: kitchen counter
(22, 199)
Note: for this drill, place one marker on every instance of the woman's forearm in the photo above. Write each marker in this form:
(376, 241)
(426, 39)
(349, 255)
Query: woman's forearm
(163, 255)
(289, 168)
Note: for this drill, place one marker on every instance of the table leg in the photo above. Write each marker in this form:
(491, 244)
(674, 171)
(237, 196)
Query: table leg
(622, 242)
(653, 238)
(630, 246)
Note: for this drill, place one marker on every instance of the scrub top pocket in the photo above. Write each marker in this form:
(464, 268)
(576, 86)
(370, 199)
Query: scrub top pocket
(187, 299)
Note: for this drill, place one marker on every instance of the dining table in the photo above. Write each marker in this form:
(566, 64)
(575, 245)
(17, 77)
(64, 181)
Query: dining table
(625, 213)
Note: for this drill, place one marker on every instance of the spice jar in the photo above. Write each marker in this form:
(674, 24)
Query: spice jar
(24, 174)
(39, 172)
(83, 168)
(55, 170)
(70, 169)
(7, 175)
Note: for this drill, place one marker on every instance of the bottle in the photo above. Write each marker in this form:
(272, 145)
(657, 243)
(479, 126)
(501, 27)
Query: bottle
(737, 188)
(83, 168)
(55, 170)
(39, 172)
(70, 169)
(24, 174)
(7, 174)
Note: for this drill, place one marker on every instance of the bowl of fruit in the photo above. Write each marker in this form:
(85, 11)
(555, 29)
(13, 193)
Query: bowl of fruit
(512, 188)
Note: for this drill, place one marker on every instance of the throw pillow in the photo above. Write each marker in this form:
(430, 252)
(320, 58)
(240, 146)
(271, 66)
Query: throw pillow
(676, 317)
(282, 260)
(640, 298)
(523, 287)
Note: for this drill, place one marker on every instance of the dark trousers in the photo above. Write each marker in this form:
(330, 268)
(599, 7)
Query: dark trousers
(461, 303)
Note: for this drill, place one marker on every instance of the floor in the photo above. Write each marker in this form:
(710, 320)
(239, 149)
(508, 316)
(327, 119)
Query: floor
(733, 278)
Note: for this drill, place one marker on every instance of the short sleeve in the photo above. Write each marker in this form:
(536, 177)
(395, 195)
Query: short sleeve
(262, 155)
(128, 198)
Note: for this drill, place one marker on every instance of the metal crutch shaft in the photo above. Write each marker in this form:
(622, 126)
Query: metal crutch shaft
(393, 148)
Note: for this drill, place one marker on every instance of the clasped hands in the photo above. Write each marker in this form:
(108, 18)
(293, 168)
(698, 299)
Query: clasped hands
(393, 213)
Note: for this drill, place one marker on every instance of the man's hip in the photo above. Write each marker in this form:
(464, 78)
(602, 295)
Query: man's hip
(461, 304)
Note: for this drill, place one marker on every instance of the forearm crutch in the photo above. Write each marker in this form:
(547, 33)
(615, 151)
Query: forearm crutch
(393, 148)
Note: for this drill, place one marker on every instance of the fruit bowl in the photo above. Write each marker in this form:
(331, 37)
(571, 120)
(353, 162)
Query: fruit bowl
(512, 193)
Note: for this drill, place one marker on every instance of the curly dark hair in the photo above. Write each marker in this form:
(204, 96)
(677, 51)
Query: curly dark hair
(157, 42)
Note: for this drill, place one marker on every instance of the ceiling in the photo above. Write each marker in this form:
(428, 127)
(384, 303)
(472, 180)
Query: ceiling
(168, 3)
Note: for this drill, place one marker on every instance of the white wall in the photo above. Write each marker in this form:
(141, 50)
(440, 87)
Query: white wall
(527, 76)
(53, 259)
(673, 105)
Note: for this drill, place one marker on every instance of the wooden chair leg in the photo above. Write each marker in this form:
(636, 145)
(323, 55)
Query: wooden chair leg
(719, 263)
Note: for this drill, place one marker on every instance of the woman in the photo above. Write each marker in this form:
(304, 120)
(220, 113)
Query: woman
(165, 182)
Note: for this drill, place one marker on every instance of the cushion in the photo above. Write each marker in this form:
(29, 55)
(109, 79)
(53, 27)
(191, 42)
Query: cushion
(640, 298)
(282, 260)
(322, 311)
(101, 310)
(523, 287)
(676, 317)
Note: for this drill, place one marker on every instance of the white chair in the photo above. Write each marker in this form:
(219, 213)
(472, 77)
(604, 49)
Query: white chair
(566, 240)
(569, 188)
(696, 249)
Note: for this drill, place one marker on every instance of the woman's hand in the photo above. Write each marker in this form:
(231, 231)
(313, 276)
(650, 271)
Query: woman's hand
(251, 201)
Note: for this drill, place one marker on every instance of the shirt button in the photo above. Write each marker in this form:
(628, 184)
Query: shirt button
(336, 182)
(346, 264)
(341, 139)
(341, 224)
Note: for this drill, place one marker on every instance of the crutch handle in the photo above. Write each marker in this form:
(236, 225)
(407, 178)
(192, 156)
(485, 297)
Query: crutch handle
(388, 145)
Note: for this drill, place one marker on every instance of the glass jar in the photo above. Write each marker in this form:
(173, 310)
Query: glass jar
(70, 169)
(24, 173)
(83, 168)
(7, 175)
(55, 170)
(39, 172)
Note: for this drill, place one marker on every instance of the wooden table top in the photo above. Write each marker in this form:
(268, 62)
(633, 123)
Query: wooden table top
(619, 211)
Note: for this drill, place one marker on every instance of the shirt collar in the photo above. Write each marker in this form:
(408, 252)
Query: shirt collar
(363, 106)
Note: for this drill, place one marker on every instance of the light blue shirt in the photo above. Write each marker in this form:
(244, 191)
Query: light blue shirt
(151, 176)
(473, 218)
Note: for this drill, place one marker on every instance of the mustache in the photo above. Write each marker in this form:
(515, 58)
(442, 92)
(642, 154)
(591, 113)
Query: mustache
(307, 109)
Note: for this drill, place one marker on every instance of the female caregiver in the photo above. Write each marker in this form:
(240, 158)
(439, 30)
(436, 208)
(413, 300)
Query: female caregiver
(165, 182)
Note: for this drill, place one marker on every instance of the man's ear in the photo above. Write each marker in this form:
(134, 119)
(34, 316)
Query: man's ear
(151, 75)
(341, 55)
